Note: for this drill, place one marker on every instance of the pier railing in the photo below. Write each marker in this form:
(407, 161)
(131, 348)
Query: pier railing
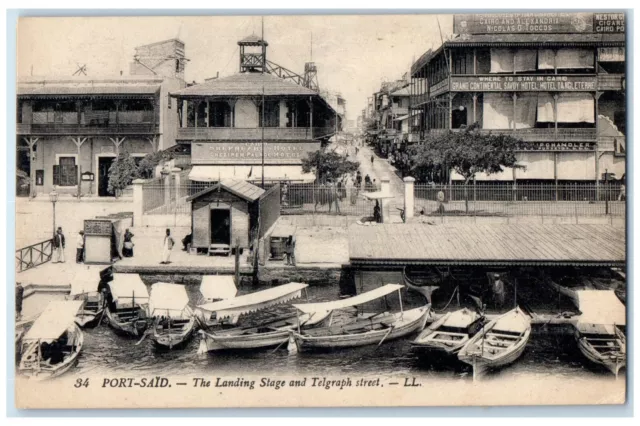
(34, 255)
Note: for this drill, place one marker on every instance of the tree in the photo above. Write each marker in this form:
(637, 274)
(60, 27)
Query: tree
(467, 152)
(328, 165)
(121, 173)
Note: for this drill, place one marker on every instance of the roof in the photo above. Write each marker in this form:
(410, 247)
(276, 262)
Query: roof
(55, 320)
(243, 189)
(539, 40)
(405, 91)
(253, 39)
(247, 84)
(600, 307)
(167, 299)
(129, 286)
(79, 90)
(218, 287)
(350, 301)
(491, 244)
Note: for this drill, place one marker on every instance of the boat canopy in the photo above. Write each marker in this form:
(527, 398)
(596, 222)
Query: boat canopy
(600, 307)
(128, 286)
(254, 301)
(351, 301)
(461, 318)
(84, 279)
(168, 299)
(218, 287)
(54, 320)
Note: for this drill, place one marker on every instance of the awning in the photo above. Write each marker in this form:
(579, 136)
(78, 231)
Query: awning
(351, 301)
(254, 301)
(600, 307)
(168, 299)
(249, 173)
(218, 287)
(129, 286)
(56, 318)
(404, 117)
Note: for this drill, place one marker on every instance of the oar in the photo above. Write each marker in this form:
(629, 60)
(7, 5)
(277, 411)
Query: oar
(385, 336)
(144, 336)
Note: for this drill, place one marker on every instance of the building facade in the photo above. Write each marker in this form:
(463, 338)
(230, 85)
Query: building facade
(555, 81)
(70, 130)
(237, 126)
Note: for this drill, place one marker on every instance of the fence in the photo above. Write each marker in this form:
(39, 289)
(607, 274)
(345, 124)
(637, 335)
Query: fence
(509, 199)
(34, 255)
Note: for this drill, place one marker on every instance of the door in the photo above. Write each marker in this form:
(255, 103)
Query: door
(220, 226)
(459, 118)
(104, 163)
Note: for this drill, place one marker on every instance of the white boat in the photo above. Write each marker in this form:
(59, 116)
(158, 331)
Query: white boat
(52, 344)
(173, 320)
(498, 343)
(365, 329)
(214, 288)
(128, 314)
(272, 332)
(449, 334)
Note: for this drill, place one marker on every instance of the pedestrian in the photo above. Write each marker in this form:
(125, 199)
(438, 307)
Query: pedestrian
(58, 246)
(372, 158)
(498, 292)
(290, 250)
(127, 247)
(337, 196)
(167, 246)
(80, 247)
(284, 190)
(377, 215)
(623, 189)
(358, 179)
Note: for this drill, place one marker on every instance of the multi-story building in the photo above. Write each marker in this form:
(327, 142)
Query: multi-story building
(339, 105)
(555, 81)
(391, 103)
(237, 125)
(69, 130)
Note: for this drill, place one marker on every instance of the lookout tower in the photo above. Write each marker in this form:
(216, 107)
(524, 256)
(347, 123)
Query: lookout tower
(311, 76)
(253, 54)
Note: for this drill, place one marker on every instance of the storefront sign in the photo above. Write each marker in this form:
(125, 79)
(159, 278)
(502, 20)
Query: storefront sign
(243, 152)
(556, 146)
(608, 22)
(611, 54)
(524, 83)
(97, 227)
(499, 23)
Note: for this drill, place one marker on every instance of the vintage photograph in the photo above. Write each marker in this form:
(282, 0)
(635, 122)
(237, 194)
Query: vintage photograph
(321, 210)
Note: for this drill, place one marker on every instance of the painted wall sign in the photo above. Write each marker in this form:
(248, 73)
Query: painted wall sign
(524, 83)
(97, 227)
(500, 23)
(251, 152)
(608, 22)
(611, 54)
(556, 146)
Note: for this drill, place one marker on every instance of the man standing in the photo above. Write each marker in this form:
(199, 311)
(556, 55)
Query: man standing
(58, 246)
(290, 250)
(167, 246)
(372, 158)
(80, 247)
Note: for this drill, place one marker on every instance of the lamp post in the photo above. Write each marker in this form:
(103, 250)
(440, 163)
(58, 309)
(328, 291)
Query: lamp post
(53, 196)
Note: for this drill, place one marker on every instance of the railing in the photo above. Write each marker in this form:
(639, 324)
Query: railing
(611, 81)
(537, 135)
(419, 99)
(34, 255)
(512, 199)
(236, 133)
(399, 110)
(79, 129)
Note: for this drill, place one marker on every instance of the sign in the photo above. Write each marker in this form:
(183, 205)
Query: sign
(611, 54)
(524, 83)
(39, 177)
(556, 146)
(502, 23)
(243, 152)
(87, 176)
(97, 227)
(608, 22)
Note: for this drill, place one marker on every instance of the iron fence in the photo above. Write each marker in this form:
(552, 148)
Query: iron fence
(34, 255)
(314, 198)
(513, 199)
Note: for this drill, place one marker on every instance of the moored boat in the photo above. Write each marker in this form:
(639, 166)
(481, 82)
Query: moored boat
(52, 345)
(173, 320)
(365, 329)
(92, 310)
(498, 343)
(128, 312)
(448, 334)
(605, 345)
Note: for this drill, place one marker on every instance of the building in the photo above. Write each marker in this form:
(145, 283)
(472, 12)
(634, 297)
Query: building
(257, 118)
(339, 105)
(555, 81)
(69, 130)
(391, 103)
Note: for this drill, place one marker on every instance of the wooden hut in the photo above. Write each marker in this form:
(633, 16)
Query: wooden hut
(223, 215)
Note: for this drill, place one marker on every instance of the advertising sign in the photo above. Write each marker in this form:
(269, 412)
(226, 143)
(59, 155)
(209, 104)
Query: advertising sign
(536, 23)
(526, 83)
(244, 152)
(556, 146)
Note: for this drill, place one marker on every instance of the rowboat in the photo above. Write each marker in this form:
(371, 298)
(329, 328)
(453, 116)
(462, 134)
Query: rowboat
(173, 319)
(365, 329)
(52, 345)
(449, 334)
(270, 333)
(92, 310)
(128, 314)
(498, 343)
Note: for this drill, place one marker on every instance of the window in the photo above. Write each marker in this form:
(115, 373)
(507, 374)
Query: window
(271, 114)
(66, 172)
(219, 114)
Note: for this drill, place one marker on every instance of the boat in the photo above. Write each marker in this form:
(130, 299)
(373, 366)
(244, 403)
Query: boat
(271, 332)
(128, 312)
(449, 334)
(92, 310)
(365, 329)
(422, 281)
(173, 320)
(214, 288)
(498, 343)
(52, 345)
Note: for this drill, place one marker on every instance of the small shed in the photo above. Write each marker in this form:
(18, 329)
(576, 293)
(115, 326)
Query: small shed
(224, 214)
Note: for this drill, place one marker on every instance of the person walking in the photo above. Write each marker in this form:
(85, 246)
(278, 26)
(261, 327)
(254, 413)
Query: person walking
(290, 250)
(377, 214)
(167, 246)
(80, 247)
(58, 246)
(372, 158)
(127, 247)
(358, 179)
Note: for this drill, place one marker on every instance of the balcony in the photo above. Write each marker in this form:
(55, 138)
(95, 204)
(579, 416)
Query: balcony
(103, 122)
(398, 110)
(270, 133)
(537, 135)
(89, 130)
(417, 100)
(611, 82)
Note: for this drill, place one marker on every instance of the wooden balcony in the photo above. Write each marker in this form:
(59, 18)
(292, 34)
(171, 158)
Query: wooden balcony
(611, 82)
(270, 133)
(538, 135)
(398, 111)
(89, 130)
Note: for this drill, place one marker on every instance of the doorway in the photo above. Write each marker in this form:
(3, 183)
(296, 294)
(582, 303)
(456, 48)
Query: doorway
(104, 163)
(221, 226)
(459, 118)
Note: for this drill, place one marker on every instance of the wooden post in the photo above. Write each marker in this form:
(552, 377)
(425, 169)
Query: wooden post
(515, 110)
(555, 172)
(596, 97)
(555, 116)
(475, 61)
(31, 142)
(475, 102)
(117, 142)
(78, 143)
(237, 262)
(154, 142)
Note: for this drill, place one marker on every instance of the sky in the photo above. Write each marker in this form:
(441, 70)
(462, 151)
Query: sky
(354, 54)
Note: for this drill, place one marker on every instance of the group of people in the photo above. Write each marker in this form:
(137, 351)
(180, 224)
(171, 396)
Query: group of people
(59, 245)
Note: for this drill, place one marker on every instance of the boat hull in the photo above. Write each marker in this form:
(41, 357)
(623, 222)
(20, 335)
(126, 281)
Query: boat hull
(135, 328)
(413, 320)
(39, 374)
(613, 364)
(88, 319)
(174, 341)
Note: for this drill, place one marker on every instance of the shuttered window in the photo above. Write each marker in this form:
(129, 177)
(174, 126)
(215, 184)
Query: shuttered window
(66, 172)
